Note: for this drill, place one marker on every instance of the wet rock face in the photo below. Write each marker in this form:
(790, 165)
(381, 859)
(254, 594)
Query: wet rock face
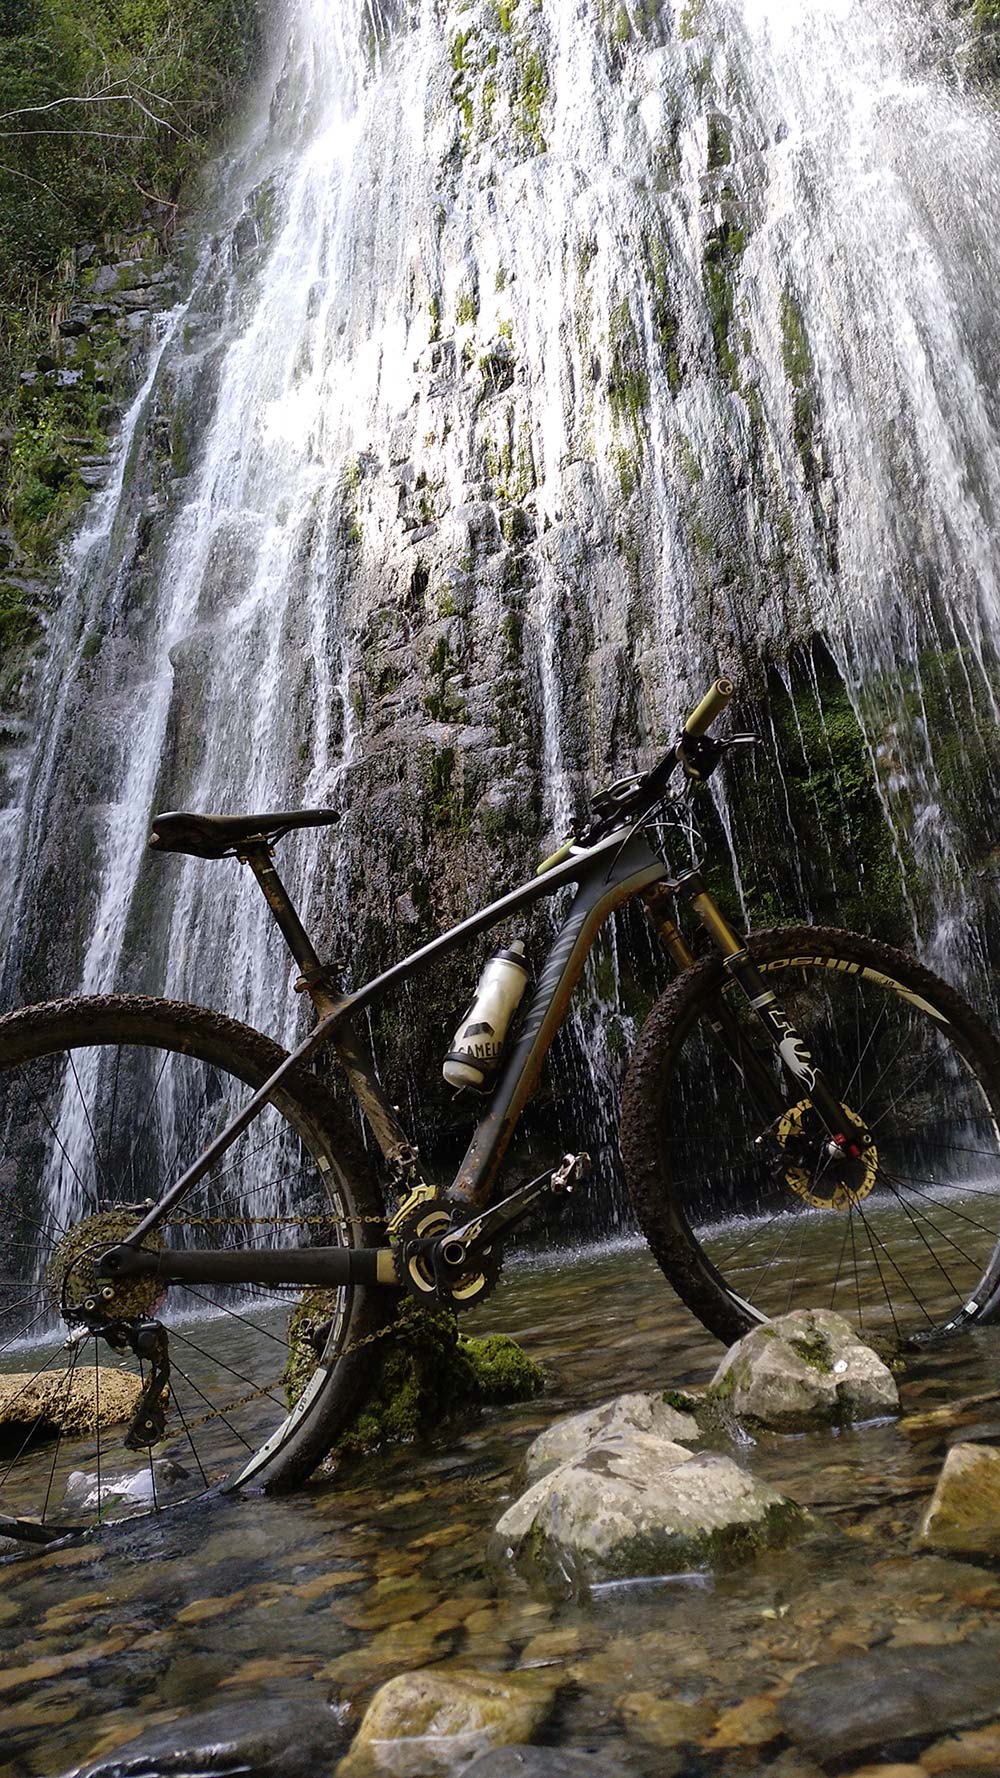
(635, 1503)
(964, 1512)
(428, 1721)
(805, 1369)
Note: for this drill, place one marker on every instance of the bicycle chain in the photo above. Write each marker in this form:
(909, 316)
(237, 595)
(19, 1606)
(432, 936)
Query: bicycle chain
(380, 1333)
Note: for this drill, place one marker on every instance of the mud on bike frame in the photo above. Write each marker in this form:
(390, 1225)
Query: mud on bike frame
(611, 863)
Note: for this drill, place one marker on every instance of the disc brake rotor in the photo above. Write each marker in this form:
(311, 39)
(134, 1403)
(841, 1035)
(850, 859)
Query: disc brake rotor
(823, 1180)
(74, 1283)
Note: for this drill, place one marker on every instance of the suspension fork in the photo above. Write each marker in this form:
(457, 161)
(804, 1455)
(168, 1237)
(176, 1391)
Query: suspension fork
(794, 1055)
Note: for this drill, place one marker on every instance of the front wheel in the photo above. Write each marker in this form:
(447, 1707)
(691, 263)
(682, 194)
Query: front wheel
(731, 1173)
(103, 1102)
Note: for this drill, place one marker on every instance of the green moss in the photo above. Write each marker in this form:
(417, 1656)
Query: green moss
(798, 363)
(814, 1349)
(443, 799)
(20, 619)
(424, 1371)
(690, 20)
(679, 1399)
(720, 142)
(434, 310)
(531, 93)
(628, 383)
(465, 309)
(502, 1369)
(723, 252)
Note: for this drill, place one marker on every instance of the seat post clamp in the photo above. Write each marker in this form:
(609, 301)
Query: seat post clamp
(315, 975)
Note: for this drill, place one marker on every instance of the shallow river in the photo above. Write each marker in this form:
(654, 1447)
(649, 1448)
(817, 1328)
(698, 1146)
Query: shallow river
(321, 1595)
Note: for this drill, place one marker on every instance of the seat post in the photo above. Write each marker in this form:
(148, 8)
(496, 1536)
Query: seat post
(355, 1055)
(315, 978)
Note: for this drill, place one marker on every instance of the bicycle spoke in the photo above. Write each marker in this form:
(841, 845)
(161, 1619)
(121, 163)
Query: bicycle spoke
(214, 1359)
(187, 1434)
(878, 1268)
(216, 1413)
(226, 1310)
(59, 1432)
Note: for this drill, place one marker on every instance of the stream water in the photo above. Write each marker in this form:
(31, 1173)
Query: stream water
(319, 1596)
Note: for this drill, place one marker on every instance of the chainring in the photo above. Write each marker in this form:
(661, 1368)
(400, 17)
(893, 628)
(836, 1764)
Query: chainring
(77, 1288)
(414, 1269)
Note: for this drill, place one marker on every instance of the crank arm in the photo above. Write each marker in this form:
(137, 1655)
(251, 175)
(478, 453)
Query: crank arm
(323, 1267)
(462, 1244)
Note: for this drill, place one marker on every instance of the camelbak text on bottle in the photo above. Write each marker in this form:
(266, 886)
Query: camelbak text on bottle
(475, 1051)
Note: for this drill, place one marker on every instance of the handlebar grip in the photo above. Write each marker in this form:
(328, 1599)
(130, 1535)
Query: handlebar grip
(712, 705)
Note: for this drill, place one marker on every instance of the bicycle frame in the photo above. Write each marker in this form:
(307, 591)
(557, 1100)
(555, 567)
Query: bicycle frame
(605, 876)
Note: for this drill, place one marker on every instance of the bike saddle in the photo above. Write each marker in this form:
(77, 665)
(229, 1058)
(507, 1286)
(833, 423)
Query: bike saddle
(221, 836)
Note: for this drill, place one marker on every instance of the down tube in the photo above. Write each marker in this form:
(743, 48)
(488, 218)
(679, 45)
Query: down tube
(633, 868)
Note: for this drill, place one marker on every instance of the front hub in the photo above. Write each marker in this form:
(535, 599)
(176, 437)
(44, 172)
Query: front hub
(826, 1173)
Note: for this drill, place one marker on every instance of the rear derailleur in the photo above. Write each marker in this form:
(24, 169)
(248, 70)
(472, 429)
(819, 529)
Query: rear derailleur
(446, 1264)
(148, 1341)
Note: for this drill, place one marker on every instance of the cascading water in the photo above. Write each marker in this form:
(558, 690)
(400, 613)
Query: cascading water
(539, 360)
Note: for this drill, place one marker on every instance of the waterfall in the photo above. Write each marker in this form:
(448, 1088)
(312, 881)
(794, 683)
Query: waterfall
(539, 360)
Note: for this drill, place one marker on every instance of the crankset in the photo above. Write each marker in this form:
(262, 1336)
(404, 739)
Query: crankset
(449, 1266)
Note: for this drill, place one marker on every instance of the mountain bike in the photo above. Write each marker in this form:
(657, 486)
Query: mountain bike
(809, 1117)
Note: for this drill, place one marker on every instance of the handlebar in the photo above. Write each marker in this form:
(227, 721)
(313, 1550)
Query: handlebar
(631, 798)
(712, 705)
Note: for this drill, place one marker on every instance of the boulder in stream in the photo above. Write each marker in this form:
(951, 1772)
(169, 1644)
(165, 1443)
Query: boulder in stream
(802, 1370)
(635, 1504)
(570, 1437)
(437, 1718)
(964, 1510)
(44, 1406)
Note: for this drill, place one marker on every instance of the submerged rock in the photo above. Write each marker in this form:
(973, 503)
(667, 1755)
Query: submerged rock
(572, 1436)
(45, 1405)
(637, 1504)
(266, 1740)
(891, 1696)
(543, 1762)
(430, 1720)
(805, 1369)
(135, 1490)
(964, 1511)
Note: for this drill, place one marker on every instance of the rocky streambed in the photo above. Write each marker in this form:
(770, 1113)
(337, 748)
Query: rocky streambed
(262, 1635)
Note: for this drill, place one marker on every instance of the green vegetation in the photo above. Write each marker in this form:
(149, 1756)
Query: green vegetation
(628, 383)
(427, 1369)
(797, 359)
(532, 92)
(852, 875)
(723, 252)
(105, 106)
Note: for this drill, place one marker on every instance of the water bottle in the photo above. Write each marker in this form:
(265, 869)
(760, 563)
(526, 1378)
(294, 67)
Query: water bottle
(476, 1046)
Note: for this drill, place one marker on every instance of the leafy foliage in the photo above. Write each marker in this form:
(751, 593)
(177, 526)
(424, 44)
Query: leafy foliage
(105, 106)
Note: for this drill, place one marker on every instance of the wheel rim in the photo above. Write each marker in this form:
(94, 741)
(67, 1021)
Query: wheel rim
(904, 1244)
(87, 1135)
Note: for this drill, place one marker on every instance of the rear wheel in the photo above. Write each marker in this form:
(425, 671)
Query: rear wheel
(730, 1172)
(102, 1103)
